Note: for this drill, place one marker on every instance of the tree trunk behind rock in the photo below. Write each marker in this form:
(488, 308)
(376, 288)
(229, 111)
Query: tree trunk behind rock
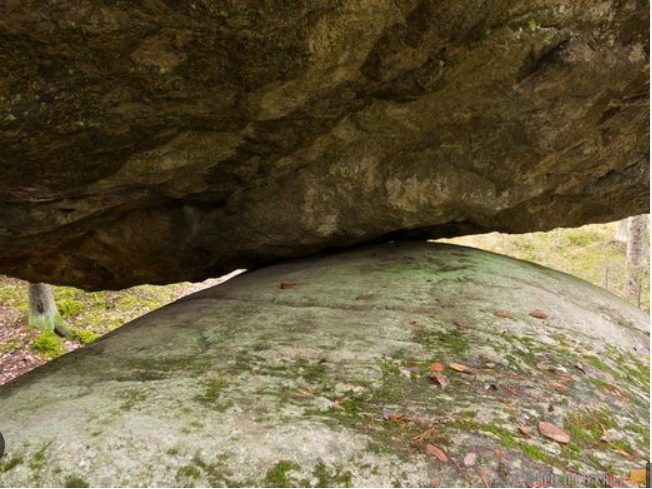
(636, 226)
(43, 312)
(622, 231)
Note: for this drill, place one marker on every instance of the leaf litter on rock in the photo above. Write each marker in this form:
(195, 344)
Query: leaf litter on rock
(553, 432)
(538, 313)
(439, 380)
(469, 459)
(503, 314)
(436, 452)
(458, 367)
(436, 367)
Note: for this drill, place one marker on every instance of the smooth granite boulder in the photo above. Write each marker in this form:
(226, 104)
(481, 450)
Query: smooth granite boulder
(318, 373)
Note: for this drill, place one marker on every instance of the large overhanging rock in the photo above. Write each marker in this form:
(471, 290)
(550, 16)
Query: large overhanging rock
(164, 141)
(324, 381)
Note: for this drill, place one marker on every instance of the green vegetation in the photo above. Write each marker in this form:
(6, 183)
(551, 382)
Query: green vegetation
(10, 464)
(76, 482)
(49, 345)
(277, 476)
(589, 252)
(212, 390)
(88, 315)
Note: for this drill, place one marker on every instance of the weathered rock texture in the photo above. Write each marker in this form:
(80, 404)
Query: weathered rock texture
(163, 141)
(324, 381)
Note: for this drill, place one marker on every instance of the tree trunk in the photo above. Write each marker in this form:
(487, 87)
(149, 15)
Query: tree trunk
(622, 231)
(43, 312)
(636, 226)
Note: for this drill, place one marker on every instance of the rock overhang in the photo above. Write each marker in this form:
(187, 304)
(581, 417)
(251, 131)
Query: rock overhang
(160, 143)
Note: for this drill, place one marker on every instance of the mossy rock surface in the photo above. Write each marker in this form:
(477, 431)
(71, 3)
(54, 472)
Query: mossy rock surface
(316, 373)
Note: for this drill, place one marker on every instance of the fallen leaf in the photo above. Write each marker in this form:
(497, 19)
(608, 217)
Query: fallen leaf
(469, 460)
(561, 387)
(436, 367)
(637, 476)
(617, 392)
(286, 285)
(483, 477)
(458, 367)
(511, 390)
(524, 431)
(538, 313)
(564, 379)
(439, 380)
(579, 367)
(396, 418)
(426, 434)
(553, 432)
(437, 452)
(503, 314)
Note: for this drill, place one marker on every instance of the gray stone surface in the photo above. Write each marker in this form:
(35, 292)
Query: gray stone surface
(324, 381)
(155, 141)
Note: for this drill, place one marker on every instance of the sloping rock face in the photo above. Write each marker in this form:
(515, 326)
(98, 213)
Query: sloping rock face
(324, 381)
(153, 142)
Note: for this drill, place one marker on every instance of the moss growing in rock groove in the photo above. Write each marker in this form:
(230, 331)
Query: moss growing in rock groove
(76, 482)
(10, 464)
(187, 475)
(277, 476)
(212, 390)
(331, 478)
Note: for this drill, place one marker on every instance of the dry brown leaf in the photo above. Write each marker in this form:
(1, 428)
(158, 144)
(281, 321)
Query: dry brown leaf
(553, 432)
(503, 314)
(436, 367)
(579, 367)
(538, 313)
(483, 477)
(469, 459)
(511, 390)
(286, 286)
(524, 431)
(437, 452)
(458, 367)
(439, 380)
(562, 388)
(617, 392)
